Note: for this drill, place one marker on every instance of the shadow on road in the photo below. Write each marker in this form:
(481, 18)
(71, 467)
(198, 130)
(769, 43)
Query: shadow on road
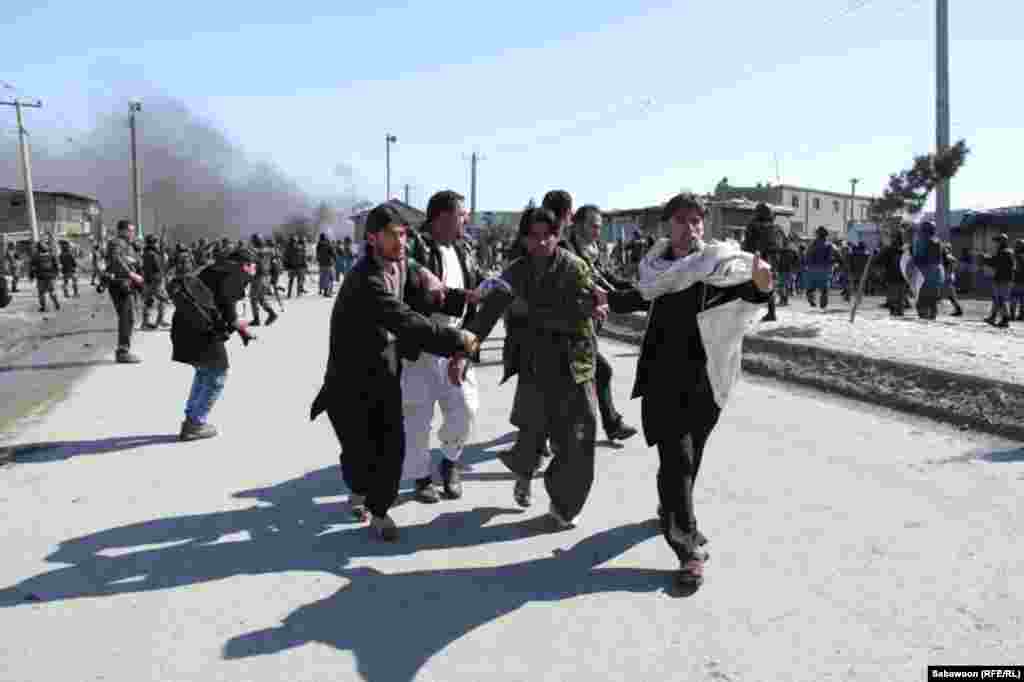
(414, 615)
(56, 451)
(55, 365)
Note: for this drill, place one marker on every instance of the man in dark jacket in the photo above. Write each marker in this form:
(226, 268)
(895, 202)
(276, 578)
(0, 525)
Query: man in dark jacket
(325, 255)
(68, 270)
(1017, 298)
(761, 237)
(362, 389)
(679, 408)
(821, 257)
(895, 281)
(195, 344)
(1003, 264)
(441, 247)
(44, 269)
(122, 280)
(623, 298)
(927, 255)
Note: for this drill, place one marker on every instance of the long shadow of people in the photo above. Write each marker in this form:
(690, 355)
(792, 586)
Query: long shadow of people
(56, 451)
(416, 615)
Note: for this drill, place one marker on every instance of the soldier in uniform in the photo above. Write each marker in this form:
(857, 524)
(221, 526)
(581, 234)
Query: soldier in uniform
(44, 269)
(761, 237)
(555, 396)
(13, 266)
(68, 269)
(123, 278)
(183, 263)
(201, 253)
(261, 283)
(154, 267)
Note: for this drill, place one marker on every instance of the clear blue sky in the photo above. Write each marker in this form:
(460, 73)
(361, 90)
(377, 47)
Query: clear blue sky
(622, 103)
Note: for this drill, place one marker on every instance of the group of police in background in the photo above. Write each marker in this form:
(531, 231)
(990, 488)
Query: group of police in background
(48, 263)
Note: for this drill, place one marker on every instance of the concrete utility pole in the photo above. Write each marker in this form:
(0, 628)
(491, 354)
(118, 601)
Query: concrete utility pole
(942, 110)
(389, 139)
(26, 165)
(473, 159)
(134, 107)
(407, 194)
(853, 194)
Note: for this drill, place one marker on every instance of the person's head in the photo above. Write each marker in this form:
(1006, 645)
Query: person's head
(323, 237)
(126, 229)
(151, 240)
(347, 241)
(245, 257)
(539, 228)
(385, 233)
(684, 214)
(1018, 246)
(763, 214)
(587, 223)
(821, 232)
(1002, 241)
(257, 241)
(446, 217)
(559, 202)
(928, 229)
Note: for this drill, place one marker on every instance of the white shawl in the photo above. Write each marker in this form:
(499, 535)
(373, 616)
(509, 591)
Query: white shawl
(722, 327)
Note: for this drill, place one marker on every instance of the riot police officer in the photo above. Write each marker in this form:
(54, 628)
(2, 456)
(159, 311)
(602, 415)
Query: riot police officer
(154, 265)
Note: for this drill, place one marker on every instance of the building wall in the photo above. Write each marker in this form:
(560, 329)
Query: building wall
(815, 209)
(62, 215)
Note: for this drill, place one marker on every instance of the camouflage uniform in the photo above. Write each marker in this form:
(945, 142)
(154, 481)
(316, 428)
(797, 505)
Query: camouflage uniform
(122, 259)
(44, 268)
(556, 367)
(260, 284)
(154, 265)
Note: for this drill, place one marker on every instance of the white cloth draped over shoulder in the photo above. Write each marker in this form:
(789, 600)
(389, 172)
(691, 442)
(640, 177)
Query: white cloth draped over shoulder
(722, 325)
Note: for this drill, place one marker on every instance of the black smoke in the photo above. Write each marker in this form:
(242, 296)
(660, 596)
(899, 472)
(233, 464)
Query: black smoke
(196, 181)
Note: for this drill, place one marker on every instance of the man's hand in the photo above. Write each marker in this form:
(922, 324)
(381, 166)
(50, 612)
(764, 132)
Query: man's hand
(600, 313)
(600, 297)
(470, 342)
(435, 287)
(763, 278)
(136, 279)
(458, 365)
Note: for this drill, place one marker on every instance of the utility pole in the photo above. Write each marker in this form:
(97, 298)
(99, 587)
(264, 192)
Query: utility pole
(473, 160)
(407, 194)
(853, 193)
(134, 107)
(26, 165)
(389, 139)
(942, 110)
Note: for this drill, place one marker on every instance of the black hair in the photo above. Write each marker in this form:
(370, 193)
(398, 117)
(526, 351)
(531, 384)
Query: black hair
(680, 202)
(537, 215)
(381, 216)
(558, 201)
(586, 214)
(124, 224)
(445, 201)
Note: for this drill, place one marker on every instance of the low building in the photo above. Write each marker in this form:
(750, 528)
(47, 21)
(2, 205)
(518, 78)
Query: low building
(812, 208)
(726, 219)
(978, 229)
(63, 215)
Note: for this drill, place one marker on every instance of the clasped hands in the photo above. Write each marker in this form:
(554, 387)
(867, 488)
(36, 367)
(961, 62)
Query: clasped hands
(458, 365)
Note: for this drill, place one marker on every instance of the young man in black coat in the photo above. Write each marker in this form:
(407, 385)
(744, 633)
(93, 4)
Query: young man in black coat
(194, 345)
(679, 406)
(372, 329)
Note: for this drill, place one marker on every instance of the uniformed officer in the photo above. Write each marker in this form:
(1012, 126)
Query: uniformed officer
(123, 277)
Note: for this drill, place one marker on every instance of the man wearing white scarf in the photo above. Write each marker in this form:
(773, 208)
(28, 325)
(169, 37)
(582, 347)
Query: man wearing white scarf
(704, 297)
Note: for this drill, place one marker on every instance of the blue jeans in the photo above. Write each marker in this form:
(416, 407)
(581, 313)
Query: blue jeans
(207, 387)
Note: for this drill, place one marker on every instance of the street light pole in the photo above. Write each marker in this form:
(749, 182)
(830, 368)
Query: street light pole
(133, 108)
(942, 110)
(26, 165)
(389, 139)
(853, 193)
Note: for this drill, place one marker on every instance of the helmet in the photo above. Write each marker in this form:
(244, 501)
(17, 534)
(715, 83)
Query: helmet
(150, 240)
(764, 213)
(821, 231)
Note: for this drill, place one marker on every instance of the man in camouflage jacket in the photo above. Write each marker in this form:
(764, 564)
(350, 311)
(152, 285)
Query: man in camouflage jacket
(556, 364)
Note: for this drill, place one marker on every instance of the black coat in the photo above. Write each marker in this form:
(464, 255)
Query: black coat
(371, 330)
(671, 375)
(623, 296)
(193, 346)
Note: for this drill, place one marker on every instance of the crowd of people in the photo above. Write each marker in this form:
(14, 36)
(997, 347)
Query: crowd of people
(416, 302)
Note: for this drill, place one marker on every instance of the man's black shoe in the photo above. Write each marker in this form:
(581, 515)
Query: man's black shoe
(451, 479)
(621, 432)
(271, 317)
(425, 491)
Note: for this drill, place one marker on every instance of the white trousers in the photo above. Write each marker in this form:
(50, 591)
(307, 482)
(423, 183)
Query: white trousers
(424, 384)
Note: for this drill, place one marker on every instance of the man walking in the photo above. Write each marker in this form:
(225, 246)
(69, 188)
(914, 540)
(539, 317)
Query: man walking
(362, 391)
(623, 298)
(1003, 264)
(325, 260)
(154, 268)
(44, 269)
(68, 269)
(440, 246)
(260, 284)
(555, 396)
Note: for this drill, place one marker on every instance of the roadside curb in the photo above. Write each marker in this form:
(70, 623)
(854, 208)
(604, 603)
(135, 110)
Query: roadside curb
(969, 402)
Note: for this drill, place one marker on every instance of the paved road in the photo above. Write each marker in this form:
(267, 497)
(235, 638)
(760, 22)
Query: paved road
(847, 544)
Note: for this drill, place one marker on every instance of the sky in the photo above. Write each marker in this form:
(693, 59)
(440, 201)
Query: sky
(622, 103)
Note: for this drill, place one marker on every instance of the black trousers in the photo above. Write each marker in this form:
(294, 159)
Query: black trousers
(680, 462)
(372, 451)
(610, 417)
(124, 306)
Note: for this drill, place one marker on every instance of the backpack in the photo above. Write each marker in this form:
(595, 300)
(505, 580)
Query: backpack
(195, 301)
